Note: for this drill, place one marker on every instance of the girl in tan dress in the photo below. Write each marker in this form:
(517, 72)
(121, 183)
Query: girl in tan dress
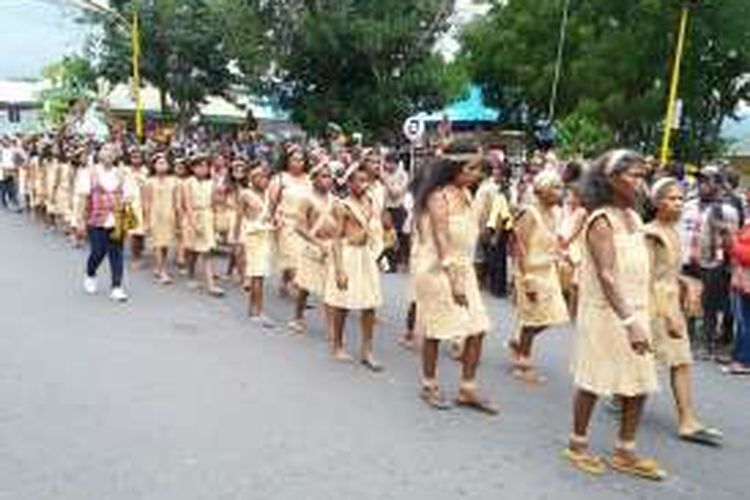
(449, 304)
(182, 175)
(253, 228)
(230, 195)
(538, 297)
(613, 353)
(160, 211)
(136, 175)
(573, 219)
(200, 237)
(287, 192)
(668, 324)
(353, 275)
(61, 194)
(317, 226)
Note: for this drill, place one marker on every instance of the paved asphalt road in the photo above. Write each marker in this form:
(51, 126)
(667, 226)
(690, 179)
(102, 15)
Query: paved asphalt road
(176, 396)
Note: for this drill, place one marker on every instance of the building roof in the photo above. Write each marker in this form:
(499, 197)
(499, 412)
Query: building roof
(471, 108)
(19, 91)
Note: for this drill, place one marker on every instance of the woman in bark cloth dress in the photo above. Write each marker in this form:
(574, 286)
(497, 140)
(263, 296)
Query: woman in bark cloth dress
(613, 352)
(671, 340)
(449, 304)
(538, 297)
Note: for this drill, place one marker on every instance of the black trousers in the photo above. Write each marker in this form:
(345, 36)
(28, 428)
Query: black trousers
(496, 264)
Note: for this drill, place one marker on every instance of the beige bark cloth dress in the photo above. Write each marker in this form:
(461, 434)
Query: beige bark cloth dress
(358, 259)
(667, 263)
(256, 238)
(163, 222)
(604, 362)
(438, 315)
(201, 238)
(294, 190)
(312, 272)
(541, 276)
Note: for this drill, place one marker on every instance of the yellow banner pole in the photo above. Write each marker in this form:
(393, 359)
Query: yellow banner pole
(674, 84)
(136, 44)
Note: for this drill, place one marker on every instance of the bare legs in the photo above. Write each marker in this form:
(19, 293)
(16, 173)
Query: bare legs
(160, 269)
(367, 325)
(521, 355)
(624, 458)
(206, 263)
(137, 244)
(468, 391)
(682, 390)
(255, 296)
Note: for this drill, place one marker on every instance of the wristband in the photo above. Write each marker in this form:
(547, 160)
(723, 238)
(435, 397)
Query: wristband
(629, 321)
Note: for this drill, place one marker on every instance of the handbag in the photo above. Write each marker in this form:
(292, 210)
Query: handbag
(125, 221)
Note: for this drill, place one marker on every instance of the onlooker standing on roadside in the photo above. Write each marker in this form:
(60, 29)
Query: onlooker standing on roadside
(705, 228)
(396, 181)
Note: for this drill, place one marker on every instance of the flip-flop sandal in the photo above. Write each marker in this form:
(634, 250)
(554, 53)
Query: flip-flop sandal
(643, 467)
(478, 404)
(585, 461)
(433, 398)
(371, 365)
(528, 375)
(408, 344)
(704, 436)
(297, 326)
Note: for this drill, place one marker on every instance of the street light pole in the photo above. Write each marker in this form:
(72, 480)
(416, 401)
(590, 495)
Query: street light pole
(135, 41)
(135, 36)
(674, 85)
(558, 61)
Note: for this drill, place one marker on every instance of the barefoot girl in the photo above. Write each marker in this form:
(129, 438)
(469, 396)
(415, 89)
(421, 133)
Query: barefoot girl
(182, 175)
(287, 191)
(231, 193)
(136, 175)
(253, 229)
(160, 209)
(354, 276)
(199, 216)
(318, 227)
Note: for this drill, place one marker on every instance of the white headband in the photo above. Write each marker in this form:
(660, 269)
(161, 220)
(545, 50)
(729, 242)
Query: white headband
(617, 156)
(660, 185)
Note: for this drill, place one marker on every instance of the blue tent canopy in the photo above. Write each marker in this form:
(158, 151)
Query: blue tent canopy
(469, 109)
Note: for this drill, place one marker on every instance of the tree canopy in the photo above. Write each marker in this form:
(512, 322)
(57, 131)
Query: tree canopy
(365, 65)
(616, 65)
(182, 49)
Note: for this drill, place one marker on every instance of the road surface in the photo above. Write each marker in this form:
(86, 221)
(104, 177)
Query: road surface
(176, 396)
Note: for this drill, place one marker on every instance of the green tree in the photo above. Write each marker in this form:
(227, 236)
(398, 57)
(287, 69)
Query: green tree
(182, 50)
(365, 65)
(70, 80)
(616, 64)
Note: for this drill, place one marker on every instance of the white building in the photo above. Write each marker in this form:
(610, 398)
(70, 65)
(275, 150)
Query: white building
(20, 106)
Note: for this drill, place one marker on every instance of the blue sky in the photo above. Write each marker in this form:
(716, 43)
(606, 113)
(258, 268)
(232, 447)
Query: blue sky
(34, 33)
